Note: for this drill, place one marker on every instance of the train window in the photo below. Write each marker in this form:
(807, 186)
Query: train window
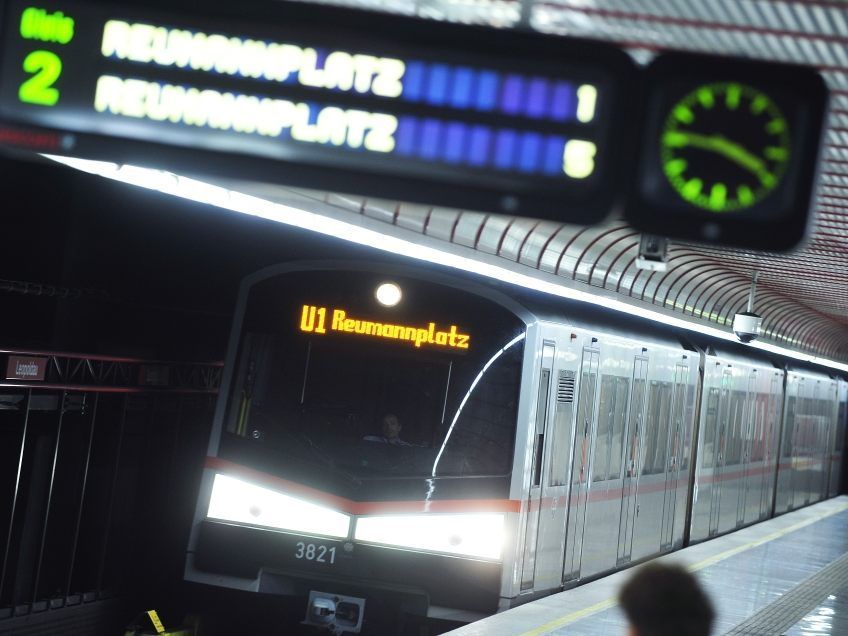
(480, 435)
(676, 421)
(583, 429)
(600, 464)
(827, 420)
(817, 427)
(708, 433)
(688, 414)
(541, 418)
(633, 429)
(813, 427)
(656, 427)
(768, 425)
(664, 427)
(649, 438)
(807, 434)
(772, 424)
(622, 391)
(335, 415)
(607, 462)
(759, 426)
(789, 432)
(560, 444)
(733, 454)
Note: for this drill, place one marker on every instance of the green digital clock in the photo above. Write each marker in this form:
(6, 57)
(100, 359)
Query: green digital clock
(725, 147)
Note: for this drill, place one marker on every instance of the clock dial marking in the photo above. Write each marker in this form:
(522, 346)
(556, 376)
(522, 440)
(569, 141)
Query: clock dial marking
(693, 187)
(676, 167)
(684, 114)
(718, 195)
(776, 126)
(734, 93)
(759, 104)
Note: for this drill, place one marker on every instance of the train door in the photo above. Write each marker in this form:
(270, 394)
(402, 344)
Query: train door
(748, 429)
(784, 494)
(813, 445)
(814, 465)
(580, 466)
(771, 428)
(832, 400)
(829, 431)
(632, 452)
(673, 453)
(825, 399)
(838, 439)
(534, 496)
(797, 452)
(809, 444)
(720, 450)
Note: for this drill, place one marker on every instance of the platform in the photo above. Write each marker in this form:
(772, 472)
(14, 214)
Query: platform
(788, 575)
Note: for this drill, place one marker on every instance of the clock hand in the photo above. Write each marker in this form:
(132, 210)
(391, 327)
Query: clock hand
(724, 147)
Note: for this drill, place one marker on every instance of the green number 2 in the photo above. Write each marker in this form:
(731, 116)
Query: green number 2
(38, 89)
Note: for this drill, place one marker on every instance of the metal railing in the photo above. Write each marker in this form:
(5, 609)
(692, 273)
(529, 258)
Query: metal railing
(99, 466)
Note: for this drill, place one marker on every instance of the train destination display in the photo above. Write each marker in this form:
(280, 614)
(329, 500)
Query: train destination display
(473, 118)
(320, 320)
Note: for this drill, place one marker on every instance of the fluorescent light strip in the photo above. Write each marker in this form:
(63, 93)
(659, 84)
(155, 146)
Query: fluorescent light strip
(203, 192)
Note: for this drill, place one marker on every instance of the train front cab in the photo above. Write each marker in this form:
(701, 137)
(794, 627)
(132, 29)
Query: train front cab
(301, 495)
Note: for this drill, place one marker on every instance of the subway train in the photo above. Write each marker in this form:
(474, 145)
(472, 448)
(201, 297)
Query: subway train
(398, 440)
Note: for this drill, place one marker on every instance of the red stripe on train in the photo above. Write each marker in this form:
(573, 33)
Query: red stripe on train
(596, 493)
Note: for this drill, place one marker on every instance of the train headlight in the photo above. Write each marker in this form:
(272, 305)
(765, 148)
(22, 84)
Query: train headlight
(475, 535)
(236, 500)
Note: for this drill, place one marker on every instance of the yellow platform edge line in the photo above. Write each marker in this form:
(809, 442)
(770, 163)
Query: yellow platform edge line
(611, 602)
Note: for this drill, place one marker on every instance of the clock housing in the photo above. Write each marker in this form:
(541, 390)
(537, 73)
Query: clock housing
(728, 152)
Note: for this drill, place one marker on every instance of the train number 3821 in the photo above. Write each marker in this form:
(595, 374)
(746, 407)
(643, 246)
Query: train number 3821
(313, 552)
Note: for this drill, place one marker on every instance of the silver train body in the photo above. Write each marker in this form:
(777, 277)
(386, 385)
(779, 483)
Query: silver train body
(628, 443)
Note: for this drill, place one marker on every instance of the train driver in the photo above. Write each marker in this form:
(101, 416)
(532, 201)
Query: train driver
(390, 428)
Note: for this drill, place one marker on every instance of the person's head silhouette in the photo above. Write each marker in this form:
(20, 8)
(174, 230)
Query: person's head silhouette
(665, 600)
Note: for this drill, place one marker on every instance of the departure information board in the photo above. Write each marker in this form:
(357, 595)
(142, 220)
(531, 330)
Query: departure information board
(378, 105)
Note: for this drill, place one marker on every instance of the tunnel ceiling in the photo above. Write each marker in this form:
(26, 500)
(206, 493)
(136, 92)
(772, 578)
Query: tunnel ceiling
(803, 296)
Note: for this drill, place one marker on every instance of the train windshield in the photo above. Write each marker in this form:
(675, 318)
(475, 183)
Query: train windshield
(330, 383)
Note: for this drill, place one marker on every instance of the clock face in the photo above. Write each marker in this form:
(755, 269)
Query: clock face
(725, 147)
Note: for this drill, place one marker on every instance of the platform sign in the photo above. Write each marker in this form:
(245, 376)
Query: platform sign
(26, 368)
(314, 96)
